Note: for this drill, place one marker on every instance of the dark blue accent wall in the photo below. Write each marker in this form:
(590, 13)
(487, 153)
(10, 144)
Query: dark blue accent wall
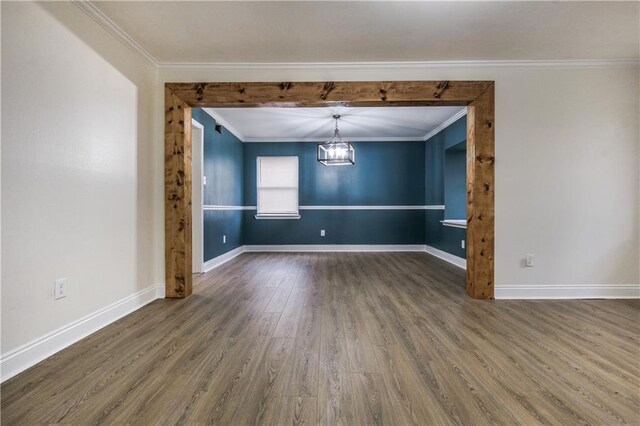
(223, 167)
(385, 173)
(341, 227)
(442, 186)
(455, 181)
(445, 238)
(434, 171)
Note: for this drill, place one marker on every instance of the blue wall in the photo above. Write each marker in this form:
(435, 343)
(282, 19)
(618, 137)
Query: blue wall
(385, 173)
(436, 235)
(341, 226)
(455, 181)
(223, 167)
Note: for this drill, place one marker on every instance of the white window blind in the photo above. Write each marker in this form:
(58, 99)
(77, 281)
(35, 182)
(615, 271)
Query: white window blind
(277, 188)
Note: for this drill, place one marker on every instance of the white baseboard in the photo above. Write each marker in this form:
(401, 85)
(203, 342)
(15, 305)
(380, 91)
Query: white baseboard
(587, 291)
(217, 261)
(334, 248)
(454, 260)
(37, 350)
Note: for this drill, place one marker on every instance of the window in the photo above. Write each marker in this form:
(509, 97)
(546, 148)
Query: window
(277, 188)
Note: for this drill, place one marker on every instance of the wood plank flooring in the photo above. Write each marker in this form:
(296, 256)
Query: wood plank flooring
(343, 338)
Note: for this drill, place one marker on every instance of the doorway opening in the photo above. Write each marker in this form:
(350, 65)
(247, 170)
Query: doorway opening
(477, 96)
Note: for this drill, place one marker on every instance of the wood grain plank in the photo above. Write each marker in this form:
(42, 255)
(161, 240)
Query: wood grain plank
(267, 383)
(290, 318)
(310, 94)
(177, 193)
(438, 356)
(302, 379)
(297, 411)
(335, 397)
(480, 195)
(371, 400)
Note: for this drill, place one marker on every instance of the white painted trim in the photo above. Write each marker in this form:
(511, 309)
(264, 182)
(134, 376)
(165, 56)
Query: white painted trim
(454, 223)
(405, 65)
(433, 207)
(223, 258)
(454, 260)
(446, 124)
(277, 216)
(224, 123)
(216, 207)
(322, 140)
(35, 351)
(571, 291)
(429, 207)
(197, 162)
(334, 248)
(96, 14)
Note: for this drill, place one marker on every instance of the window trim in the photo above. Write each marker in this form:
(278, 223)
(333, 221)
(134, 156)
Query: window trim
(277, 216)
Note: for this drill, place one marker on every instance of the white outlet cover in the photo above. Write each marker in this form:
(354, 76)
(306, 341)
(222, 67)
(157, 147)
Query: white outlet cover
(60, 288)
(322, 233)
(528, 260)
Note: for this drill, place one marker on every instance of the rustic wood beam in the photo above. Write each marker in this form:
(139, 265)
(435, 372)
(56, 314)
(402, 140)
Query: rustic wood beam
(477, 95)
(177, 178)
(480, 195)
(310, 94)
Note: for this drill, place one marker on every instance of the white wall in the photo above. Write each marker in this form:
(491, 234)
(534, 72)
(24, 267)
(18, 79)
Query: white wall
(567, 168)
(77, 169)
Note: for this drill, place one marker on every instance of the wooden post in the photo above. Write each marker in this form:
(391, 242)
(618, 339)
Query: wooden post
(177, 203)
(480, 195)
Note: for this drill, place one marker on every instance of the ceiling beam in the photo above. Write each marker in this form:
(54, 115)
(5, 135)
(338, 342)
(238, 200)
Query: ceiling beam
(316, 94)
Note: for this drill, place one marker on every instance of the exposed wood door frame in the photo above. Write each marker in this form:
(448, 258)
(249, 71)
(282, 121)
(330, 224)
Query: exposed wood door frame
(478, 96)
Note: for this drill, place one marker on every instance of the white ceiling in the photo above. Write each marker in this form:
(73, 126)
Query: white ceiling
(316, 124)
(316, 31)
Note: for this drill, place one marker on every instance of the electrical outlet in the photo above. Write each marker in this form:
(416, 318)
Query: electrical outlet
(204, 180)
(322, 234)
(462, 243)
(224, 239)
(528, 260)
(60, 288)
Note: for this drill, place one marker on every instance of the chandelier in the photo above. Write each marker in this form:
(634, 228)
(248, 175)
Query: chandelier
(336, 152)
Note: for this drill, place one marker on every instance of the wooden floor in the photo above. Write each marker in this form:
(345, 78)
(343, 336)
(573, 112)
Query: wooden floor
(343, 338)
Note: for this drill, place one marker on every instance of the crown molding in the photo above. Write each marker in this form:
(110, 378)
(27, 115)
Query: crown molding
(455, 117)
(411, 65)
(224, 123)
(96, 14)
(321, 140)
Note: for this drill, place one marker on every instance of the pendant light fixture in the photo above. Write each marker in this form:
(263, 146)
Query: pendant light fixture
(336, 152)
